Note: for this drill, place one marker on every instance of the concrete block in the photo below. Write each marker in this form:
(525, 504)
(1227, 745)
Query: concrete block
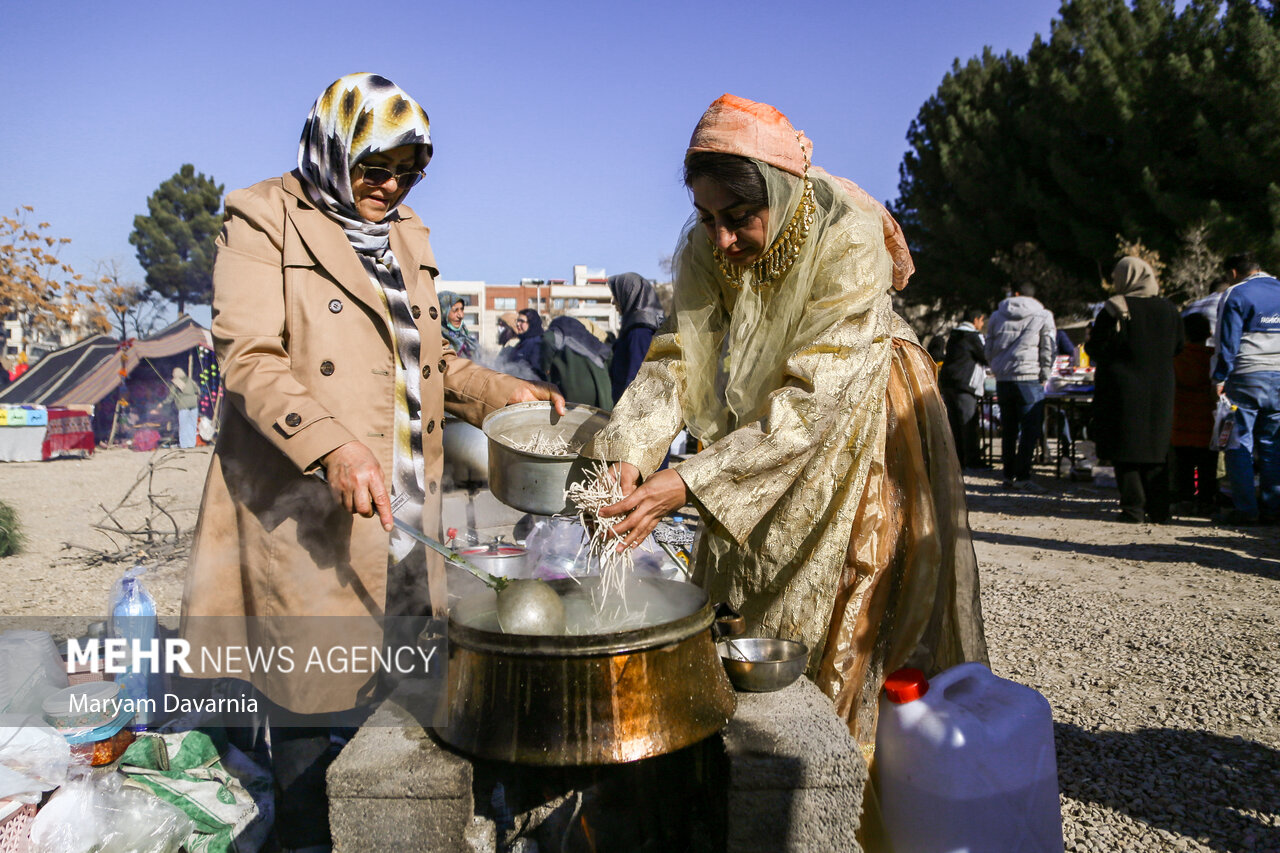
(393, 826)
(813, 820)
(393, 757)
(796, 776)
(481, 836)
(791, 738)
(395, 788)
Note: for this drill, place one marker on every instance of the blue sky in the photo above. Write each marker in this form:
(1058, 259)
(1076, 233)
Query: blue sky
(559, 127)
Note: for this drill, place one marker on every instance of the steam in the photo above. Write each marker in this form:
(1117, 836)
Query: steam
(494, 360)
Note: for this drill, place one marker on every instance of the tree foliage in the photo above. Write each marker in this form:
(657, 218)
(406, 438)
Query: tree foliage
(37, 289)
(131, 309)
(175, 241)
(1136, 120)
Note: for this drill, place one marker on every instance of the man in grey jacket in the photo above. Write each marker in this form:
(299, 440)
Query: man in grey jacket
(1020, 349)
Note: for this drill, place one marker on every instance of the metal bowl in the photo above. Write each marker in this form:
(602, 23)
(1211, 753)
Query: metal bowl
(762, 665)
(535, 482)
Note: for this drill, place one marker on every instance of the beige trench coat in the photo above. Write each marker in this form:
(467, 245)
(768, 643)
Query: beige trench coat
(306, 352)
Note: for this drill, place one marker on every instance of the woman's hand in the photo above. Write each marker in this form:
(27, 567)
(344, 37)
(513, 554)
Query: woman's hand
(647, 504)
(355, 479)
(529, 392)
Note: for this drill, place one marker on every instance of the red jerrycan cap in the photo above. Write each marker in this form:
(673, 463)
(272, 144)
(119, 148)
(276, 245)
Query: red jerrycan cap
(906, 685)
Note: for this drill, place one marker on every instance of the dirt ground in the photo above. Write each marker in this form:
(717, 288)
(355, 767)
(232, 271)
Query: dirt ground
(59, 582)
(1153, 643)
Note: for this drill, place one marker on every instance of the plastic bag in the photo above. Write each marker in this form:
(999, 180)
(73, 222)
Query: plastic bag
(33, 758)
(100, 815)
(1224, 424)
(30, 671)
(557, 548)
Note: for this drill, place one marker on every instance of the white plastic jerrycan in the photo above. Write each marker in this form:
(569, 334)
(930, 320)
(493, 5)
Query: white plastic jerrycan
(966, 764)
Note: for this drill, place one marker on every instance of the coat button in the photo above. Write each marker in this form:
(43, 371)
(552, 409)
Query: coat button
(442, 367)
(431, 427)
(292, 419)
(326, 368)
(335, 305)
(432, 486)
(416, 312)
(426, 371)
(433, 312)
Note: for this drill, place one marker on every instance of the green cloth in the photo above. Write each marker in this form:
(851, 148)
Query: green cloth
(578, 378)
(225, 794)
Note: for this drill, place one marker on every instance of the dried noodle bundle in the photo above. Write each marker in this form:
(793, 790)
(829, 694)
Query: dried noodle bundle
(547, 445)
(598, 490)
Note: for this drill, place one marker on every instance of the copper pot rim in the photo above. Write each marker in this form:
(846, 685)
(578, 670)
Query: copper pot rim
(587, 645)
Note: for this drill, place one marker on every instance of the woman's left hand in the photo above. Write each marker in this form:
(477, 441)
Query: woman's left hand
(655, 497)
(530, 392)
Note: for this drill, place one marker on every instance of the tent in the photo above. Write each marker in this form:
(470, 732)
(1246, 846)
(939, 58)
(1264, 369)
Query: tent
(85, 372)
(100, 370)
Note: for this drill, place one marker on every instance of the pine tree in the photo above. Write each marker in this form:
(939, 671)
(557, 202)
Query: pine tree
(175, 242)
(1126, 119)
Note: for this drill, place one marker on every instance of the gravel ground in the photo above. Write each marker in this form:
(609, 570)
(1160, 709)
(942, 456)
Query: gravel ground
(1155, 644)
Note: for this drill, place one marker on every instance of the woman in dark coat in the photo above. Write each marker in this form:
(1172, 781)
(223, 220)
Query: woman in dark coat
(641, 315)
(529, 351)
(577, 362)
(1134, 340)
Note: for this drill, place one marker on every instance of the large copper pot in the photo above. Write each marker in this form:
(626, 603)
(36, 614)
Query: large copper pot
(593, 699)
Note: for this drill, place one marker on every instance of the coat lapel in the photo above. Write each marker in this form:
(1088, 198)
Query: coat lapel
(332, 251)
(413, 252)
(329, 246)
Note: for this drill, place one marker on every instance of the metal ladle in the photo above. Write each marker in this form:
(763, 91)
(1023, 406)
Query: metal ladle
(527, 606)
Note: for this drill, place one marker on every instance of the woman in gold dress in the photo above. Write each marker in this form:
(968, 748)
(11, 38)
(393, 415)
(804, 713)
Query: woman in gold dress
(830, 495)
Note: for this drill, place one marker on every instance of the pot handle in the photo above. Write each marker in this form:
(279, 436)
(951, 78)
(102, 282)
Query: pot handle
(728, 623)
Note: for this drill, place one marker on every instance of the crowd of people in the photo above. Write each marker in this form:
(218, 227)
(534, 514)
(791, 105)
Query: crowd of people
(1170, 390)
(587, 363)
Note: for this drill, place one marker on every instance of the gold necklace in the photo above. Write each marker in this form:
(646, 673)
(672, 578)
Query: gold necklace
(779, 258)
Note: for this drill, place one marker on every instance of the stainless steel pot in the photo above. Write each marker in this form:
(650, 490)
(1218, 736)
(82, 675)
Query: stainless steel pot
(535, 482)
(498, 558)
(594, 699)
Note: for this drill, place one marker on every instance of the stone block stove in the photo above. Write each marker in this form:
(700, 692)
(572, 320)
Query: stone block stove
(784, 775)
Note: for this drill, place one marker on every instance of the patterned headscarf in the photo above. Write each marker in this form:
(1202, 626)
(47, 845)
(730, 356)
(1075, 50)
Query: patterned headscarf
(356, 116)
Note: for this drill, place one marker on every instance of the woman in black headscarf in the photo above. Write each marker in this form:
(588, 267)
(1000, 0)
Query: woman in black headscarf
(529, 351)
(641, 314)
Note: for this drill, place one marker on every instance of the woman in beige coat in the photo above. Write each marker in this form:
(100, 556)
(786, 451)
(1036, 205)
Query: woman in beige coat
(327, 329)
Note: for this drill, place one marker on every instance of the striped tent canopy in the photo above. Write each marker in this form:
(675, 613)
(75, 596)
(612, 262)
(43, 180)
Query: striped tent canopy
(85, 372)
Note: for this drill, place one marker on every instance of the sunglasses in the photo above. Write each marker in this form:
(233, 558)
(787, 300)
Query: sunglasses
(379, 175)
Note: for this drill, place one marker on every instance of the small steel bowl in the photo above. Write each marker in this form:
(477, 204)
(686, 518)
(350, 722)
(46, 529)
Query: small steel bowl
(761, 665)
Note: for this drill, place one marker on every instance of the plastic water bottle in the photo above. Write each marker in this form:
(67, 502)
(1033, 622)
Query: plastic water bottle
(966, 764)
(133, 619)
